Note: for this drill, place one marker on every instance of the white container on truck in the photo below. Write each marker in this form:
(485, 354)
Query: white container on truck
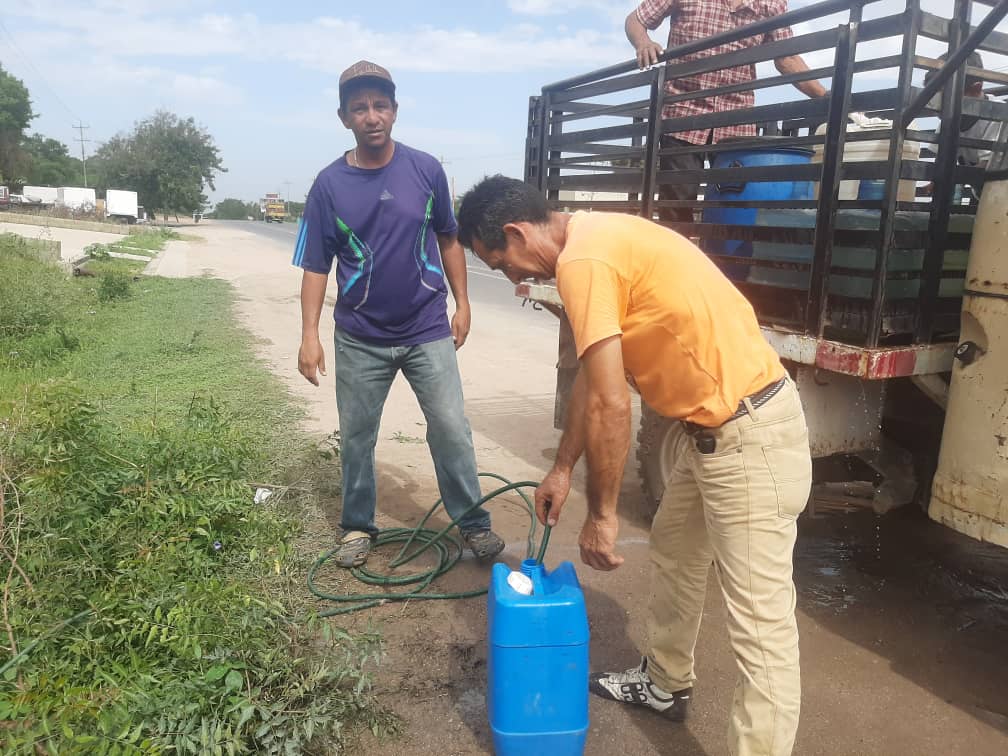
(122, 204)
(46, 195)
(76, 198)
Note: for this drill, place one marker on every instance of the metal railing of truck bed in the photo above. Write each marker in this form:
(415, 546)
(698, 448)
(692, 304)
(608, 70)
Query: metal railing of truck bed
(600, 132)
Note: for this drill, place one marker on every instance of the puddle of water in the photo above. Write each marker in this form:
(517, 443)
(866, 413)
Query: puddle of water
(846, 559)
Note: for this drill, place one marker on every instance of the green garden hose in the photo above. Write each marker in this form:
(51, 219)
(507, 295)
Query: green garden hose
(447, 547)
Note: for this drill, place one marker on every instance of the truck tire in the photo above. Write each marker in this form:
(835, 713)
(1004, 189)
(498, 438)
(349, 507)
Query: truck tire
(653, 437)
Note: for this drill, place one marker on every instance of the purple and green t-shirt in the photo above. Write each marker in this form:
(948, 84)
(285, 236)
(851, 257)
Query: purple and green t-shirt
(380, 226)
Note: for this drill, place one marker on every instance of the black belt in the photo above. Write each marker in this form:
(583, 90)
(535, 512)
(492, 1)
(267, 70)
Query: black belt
(757, 399)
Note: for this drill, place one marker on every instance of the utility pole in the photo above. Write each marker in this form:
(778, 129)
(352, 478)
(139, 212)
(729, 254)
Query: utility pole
(80, 126)
(444, 163)
(287, 200)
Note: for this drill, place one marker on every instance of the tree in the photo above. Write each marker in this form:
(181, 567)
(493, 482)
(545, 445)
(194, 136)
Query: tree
(49, 162)
(166, 159)
(15, 115)
(231, 209)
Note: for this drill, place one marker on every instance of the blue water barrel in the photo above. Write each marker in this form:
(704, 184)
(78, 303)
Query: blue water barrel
(749, 191)
(871, 189)
(537, 668)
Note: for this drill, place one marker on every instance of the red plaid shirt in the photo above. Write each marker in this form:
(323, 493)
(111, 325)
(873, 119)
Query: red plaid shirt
(696, 19)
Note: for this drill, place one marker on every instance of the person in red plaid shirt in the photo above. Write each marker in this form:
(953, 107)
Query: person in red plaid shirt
(691, 20)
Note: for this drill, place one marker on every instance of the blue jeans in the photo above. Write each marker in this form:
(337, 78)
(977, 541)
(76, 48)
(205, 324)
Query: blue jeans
(364, 374)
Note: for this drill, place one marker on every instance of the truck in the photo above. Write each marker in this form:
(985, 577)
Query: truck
(273, 208)
(889, 309)
(41, 195)
(121, 204)
(75, 198)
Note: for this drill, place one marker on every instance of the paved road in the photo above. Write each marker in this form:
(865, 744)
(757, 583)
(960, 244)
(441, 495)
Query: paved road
(486, 287)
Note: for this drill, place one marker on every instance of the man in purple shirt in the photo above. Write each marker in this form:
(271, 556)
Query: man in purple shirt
(383, 214)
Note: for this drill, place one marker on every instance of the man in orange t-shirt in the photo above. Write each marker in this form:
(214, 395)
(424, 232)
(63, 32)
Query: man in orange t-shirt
(648, 307)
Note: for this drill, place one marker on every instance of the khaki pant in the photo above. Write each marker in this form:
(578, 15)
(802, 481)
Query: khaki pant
(736, 507)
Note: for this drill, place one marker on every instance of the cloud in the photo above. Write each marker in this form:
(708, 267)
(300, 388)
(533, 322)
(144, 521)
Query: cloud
(148, 86)
(122, 30)
(524, 47)
(202, 89)
(147, 32)
(607, 8)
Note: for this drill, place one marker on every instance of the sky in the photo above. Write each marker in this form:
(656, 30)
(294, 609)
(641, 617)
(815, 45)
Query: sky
(261, 77)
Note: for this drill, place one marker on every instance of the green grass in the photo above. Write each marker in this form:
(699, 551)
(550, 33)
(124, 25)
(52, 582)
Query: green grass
(147, 602)
(147, 243)
(167, 339)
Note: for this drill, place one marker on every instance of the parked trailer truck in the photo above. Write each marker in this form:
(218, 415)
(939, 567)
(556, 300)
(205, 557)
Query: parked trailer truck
(41, 195)
(890, 311)
(121, 204)
(76, 198)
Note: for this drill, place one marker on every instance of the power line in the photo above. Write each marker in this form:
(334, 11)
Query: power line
(45, 82)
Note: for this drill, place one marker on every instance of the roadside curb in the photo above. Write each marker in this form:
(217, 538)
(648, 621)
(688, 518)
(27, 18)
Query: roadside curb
(74, 225)
(151, 269)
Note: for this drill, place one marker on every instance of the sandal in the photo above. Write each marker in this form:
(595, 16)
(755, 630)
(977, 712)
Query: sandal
(354, 549)
(484, 543)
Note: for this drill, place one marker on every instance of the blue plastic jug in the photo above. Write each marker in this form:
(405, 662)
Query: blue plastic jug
(537, 670)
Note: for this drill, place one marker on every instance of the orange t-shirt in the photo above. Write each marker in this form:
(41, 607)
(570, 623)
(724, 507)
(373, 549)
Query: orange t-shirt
(691, 343)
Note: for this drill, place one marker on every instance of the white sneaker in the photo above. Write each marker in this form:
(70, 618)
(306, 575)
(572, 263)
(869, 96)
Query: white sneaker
(635, 687)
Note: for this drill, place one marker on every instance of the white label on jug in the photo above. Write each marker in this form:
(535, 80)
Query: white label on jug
(521, 583)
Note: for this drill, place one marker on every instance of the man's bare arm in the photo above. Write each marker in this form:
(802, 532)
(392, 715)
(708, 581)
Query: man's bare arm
(453, 257)
(552, 493)
(646, 48)
(311, 356)
(606, 424)
(793, 64)
(607, 441)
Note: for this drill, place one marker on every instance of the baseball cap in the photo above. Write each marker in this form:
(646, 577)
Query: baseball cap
(365, 72)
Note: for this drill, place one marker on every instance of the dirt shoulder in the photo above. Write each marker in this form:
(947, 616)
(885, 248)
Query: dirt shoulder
(903, 653)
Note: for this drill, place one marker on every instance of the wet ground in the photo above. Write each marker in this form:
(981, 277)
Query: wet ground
(848, 560)
(932, 603)
(904, 638)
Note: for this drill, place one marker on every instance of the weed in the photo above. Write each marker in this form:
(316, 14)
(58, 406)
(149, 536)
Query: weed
(38, 348)
(33, 297)
(149, 241)
(98, 251)
(154, 535)
(329, 448)
(145, 601)
(402, 438)
(113, 285)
